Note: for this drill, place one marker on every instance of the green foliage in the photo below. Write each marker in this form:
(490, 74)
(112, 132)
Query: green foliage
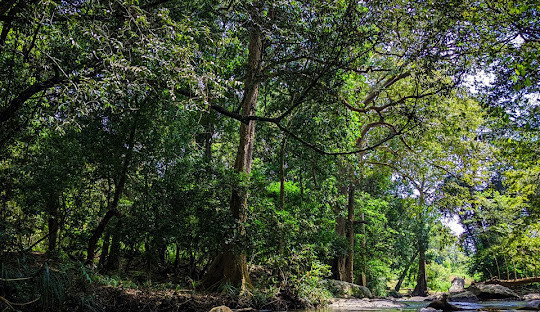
(132, 108)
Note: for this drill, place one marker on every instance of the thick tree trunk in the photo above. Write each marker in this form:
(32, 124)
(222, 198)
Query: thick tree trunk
(113, 208)
(230, 266)
(421, 281)
(404, 273)
(349, 262)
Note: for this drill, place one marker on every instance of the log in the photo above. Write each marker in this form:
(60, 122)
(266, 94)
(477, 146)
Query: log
(514, 282)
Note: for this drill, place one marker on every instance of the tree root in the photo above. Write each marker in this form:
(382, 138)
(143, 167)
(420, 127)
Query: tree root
(11, 304)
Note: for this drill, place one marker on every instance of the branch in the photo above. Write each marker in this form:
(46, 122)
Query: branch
(324, 152)
(370, 126)
(389, 82)
(10, 111)
(398, 170)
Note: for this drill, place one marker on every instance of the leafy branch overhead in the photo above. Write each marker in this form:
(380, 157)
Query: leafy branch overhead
(258, 148)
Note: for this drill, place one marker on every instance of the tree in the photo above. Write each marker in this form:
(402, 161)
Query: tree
(445, 146)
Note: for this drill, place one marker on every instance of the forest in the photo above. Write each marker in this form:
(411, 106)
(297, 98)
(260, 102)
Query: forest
(171, 155)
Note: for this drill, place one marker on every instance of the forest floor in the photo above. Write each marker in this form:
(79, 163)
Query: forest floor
(74, 287)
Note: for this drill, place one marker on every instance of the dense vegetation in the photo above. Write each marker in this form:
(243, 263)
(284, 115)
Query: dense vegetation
(256, 148)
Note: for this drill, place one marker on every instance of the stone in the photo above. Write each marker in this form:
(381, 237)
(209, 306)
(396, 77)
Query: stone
(428, 309)
(364, 304)
(221, 309)
(458, 285)
(534, 296)
(443, 304)
(532, 305)
(342, 289)
(464, 296)
(492, 291)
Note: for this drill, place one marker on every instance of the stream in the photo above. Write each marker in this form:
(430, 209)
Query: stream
(416, 305)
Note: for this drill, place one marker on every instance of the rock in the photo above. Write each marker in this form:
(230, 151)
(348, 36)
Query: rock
(465, 296)
(360, 304)
(535, 296)
(221, 309)
(394, 294)
(428, 309)
(443, 304)
(342, 289)
(492, 291)
(458, 285)
(532, 305)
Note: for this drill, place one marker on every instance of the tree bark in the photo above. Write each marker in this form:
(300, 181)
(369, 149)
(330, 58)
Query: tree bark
(282, 193)
(364, 266)
(339, 263)
(104, 251)
(349, 262)
(521, 281)
(230, 266)
(497, 264)
(282, 174)
(421, 281)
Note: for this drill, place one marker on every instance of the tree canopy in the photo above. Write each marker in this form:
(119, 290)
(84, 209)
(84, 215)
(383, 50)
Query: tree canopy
(259, 147)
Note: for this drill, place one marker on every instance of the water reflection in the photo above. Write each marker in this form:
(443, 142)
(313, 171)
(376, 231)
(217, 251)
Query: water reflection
(416, 305)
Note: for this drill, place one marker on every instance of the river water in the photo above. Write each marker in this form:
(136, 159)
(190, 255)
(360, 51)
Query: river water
(415, 305)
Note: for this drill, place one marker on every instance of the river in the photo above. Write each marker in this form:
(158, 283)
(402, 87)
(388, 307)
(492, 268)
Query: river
(415, 305)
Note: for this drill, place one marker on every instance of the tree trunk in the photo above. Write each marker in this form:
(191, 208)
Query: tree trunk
(314, 172)
(404, 273)
(282, 174)
(349, 262)
(281, 248)
(230, 266)
(364, 266)
(507, 270)
(113, 209)
(497, 264)
(105, 251)
(421, 281)
(510, 283)
(301, 187)
(339, 263)
(176, 258)
(113, 260)
(52, 209)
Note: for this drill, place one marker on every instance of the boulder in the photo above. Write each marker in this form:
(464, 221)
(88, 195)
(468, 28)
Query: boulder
(458, 285)
(342, 289)
(443, 304)
(532, 305)
(492, 291)
(464, 296)
(534, 296)
(428, 309)
(221, 309)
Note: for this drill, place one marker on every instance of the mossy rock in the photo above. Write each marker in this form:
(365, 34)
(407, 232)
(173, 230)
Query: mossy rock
(342, 289)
